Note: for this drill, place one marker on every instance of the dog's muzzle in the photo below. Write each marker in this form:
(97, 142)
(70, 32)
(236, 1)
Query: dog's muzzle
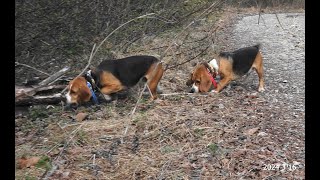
(194, 89)
(70, 106)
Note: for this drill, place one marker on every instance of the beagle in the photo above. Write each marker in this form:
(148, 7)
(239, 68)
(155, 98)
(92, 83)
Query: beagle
(112, 76)
(230, 66)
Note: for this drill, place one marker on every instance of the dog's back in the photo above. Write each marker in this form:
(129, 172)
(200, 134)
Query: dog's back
(130, 69)
(242, 59)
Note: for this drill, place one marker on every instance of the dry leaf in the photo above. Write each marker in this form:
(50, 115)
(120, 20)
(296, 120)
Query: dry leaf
(225, 162)
(24, 162)
(262, 134)
(81, 116)
(251, 131)
(75, 150)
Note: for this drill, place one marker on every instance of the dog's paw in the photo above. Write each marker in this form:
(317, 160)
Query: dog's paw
(214, 91)
(261, 89)
(108, 98)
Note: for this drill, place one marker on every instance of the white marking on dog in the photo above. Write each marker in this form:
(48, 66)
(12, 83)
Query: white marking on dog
(195, 88)
(107, 97)
(213, 91)
(68, 97)
(214, 64)
(89, 72)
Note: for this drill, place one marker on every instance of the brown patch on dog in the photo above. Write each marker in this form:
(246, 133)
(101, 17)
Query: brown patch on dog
(109, 83)
(78, 90)
(201, 78)
(153, 76)
(226, 73)
(258, 66)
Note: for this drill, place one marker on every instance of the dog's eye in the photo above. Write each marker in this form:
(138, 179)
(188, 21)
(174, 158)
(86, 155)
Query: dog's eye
(72, 91)
(197, 81)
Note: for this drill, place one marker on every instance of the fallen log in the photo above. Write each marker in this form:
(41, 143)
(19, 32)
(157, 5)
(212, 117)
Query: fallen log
(21, 91)
(42, 84)
(33, 100)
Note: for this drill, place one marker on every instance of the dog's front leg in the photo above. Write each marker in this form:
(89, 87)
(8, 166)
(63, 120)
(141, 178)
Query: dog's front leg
(222, 84)
(108, 89)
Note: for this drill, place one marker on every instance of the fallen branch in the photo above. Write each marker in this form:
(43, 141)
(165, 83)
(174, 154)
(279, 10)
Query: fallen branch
(26, 93)
(54, 76)
(31, 100)
(22, 90)
(25, 65)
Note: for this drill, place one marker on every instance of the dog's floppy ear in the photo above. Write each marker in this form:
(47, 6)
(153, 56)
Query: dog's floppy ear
(84, 94)
(205, 84)
(190, 81)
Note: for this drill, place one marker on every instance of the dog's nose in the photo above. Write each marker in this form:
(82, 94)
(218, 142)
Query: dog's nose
(191, 90)
(70, 106)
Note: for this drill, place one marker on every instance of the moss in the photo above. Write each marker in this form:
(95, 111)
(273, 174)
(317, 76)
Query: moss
(167, 149)
(44, 162)
(30, 178)
(213, 148)
(38, 112)
(82, 137)
(199, 132)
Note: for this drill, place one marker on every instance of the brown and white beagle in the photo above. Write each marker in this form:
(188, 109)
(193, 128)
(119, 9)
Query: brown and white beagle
(230, 66)
(112, 76)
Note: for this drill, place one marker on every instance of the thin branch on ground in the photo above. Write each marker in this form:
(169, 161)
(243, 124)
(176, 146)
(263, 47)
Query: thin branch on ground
(25, 65)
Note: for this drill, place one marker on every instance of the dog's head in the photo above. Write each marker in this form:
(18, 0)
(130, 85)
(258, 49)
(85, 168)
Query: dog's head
(78, 91)
(199, 79)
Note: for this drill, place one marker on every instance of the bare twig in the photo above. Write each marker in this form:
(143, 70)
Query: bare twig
(54, 76)
(171, 67)
(94, 159)
(184, 29)
(279, 21)
(134, 109)
(47, 174)
(163, 168)
(259, 12)
(25, 65)
(74, 132)
(89, 61)
(88, 64)
(140, 17)
(282, 26)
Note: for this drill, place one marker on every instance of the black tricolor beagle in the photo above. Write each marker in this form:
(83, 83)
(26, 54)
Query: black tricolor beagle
(112, 76)
(230, 66)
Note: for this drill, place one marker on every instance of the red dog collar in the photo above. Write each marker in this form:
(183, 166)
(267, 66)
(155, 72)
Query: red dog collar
(212, 80)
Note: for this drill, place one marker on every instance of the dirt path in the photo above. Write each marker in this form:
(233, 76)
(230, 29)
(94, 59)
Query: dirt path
(283, 48)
